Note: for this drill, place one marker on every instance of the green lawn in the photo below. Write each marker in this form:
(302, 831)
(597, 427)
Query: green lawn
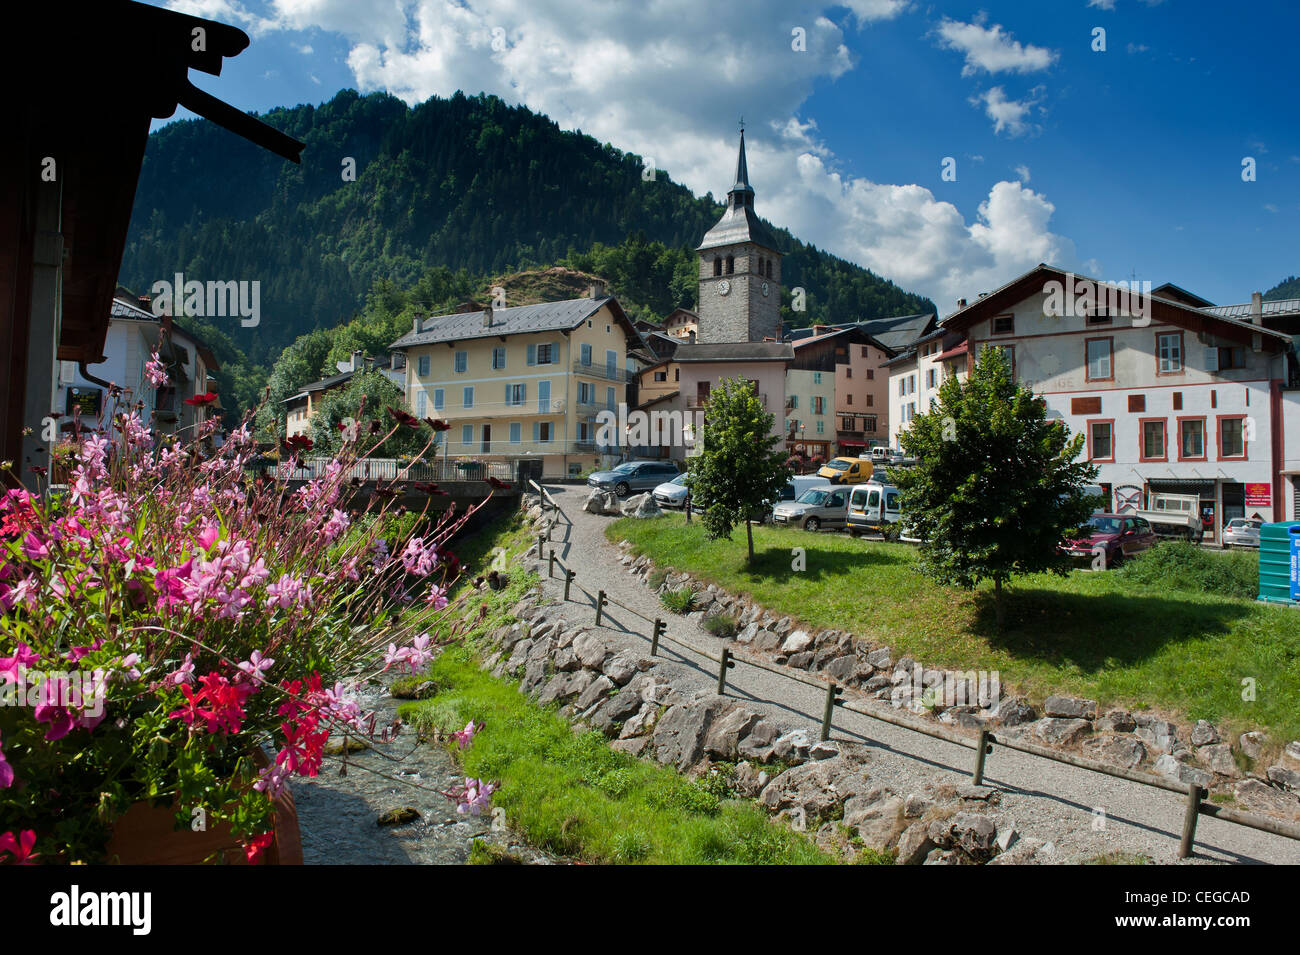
(1092, 634)
(571, 793)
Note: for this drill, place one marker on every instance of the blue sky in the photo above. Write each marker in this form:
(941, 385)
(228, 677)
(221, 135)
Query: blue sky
(1120, 163)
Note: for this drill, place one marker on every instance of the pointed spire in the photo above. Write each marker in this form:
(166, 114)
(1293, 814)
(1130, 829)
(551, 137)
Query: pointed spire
(742, 185)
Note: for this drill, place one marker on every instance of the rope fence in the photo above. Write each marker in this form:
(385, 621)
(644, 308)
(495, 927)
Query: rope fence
(983, 744)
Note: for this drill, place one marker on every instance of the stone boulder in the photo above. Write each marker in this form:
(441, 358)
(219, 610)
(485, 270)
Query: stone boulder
(1117, 721)
(1061, 732)
(1122, 751)
(680, 733)
(1204, 734)
(817, 789)
(1014, 711)
(1288, 779)
(1217, 758)
(757, 743)
(725, 733)
(1070, 708)
(1173, 768)
(1158, 734)
(877, 815)
(1257, 795)
(914, 844)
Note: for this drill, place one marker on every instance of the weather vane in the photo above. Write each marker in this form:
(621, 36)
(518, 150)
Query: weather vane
(742, 124)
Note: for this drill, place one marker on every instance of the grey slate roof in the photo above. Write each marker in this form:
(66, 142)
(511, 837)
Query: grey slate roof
(739, 223)
(522, 319)
(735, 351)
(1241, 313)
(895, 333)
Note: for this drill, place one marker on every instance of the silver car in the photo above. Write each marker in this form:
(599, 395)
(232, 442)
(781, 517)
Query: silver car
(672, 493)
(1241, 532)
(633, 476)
(817, 507)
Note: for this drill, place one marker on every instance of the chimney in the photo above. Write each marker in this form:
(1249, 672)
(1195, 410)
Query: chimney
(820, 329)
(690, 337)
(596, 289)
(357, 358)
(487, 316)
(415, 323)
(1257, 308)
(145, 303)
(961, 303)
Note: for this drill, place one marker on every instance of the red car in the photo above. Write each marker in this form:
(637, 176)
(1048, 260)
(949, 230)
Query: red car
(1112, 538)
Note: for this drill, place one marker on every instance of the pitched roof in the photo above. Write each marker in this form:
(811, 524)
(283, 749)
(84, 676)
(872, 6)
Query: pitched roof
(735, 351)
(520, 320)
(1287, 306)
(739, 223)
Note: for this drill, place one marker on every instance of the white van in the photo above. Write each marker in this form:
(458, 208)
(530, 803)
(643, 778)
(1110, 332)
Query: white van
(871, 507)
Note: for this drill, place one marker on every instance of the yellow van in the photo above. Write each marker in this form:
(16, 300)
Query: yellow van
(846, 470)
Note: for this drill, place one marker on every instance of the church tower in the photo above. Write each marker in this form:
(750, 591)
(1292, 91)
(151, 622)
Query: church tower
(740, 271)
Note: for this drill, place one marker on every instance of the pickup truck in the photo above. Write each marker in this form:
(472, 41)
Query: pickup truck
(1174, 515)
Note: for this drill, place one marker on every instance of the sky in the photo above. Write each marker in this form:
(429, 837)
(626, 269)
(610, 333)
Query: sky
(948, 146)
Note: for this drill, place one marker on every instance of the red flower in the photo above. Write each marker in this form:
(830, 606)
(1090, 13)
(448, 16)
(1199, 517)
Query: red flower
(497, 483)
(410, 420)
(204, 399)
(299, 442)
(19, 846)
(426, 488)
(254, 848)
(438, 424)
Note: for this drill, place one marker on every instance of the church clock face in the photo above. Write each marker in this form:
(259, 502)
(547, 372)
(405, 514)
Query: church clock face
(724, 287)
(766, 289)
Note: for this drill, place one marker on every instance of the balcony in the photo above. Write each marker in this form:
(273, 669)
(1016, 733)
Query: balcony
(603, 372)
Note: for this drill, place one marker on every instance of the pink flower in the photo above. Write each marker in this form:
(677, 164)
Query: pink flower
(395, 655)
(419, 653)
(466, 736)
(288, 592)
(11, 667)
(20, 846)
(436, 598)
(6, 772)
(476, 796)
(335, 526)
(208, 536)
(419, 559)
(34, 547)
(272, 780)
(155, 371)
(184, 673)
(256, 667)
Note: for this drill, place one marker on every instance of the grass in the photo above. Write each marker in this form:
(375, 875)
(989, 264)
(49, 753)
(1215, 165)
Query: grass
(678, 601)
(571, 794)
(1105, 635)
(1180, 565)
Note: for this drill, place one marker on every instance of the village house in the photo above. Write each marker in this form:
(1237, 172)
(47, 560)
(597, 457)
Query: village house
(832, 383)
(524, 382)
(914, 376)
(301, 407)
(1172, 394)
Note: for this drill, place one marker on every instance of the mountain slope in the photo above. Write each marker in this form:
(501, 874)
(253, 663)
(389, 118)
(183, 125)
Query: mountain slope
(468, 183)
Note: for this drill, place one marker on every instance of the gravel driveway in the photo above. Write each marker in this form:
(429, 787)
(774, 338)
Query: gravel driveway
(1051, 801)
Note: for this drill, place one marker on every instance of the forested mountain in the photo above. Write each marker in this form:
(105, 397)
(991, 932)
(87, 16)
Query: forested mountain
(1290, 288)
(466, 186)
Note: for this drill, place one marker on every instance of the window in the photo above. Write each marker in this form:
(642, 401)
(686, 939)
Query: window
(516, 394)
(717, 266)
(1137, 403)
(586, 393)
(911, 384)
(794, 402)
(819, 406)
(1097, 315)
(1178, 401)
(1099, 359)
(498, 357)
(931, 377)
(902, 387)
(584, 431)
(1004, 325)
(541, 431)
(871, 374)
(677, 374)
(846, 424)
(1101, 441)
(865, 352)
(586, 354)
(1153, 440)
(661, 376)
(1009, 353)
(462, 361)
(1089, 405)
(848, 399)
(439, 399)
(817, 377)
(514, 432)
(546, 354)
(467, 399)
(422, 404)
(871, 400)
(869, 423)
(1169, 353)
(848, 371)
(731, 264)
(821, 427)
(609, 400)
(1232, 437)
(1191, 439)
(422, 366)
(467, 434)
(1222, 359)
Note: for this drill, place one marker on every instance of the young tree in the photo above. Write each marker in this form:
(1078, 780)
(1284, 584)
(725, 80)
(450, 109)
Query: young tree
(996, 486)
(741, 468)
(380, 394)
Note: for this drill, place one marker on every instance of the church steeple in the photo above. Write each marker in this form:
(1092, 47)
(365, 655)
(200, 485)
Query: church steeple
(742, 193)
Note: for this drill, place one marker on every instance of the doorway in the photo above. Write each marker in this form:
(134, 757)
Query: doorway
(487, 439)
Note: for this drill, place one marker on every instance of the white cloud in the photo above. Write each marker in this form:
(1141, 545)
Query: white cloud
(1137, 48)
(1102, 4)
(1009, 114)
(1023, 172)
(991, 49)
(669, 80)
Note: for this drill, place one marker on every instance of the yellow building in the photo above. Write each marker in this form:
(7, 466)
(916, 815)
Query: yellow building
(524, 382)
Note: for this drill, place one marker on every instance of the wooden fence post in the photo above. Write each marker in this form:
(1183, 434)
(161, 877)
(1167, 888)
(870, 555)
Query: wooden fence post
(568, 580)
(660, 627)
(722, 670)
(600, 605)
(550, 568)
(1189, 821)
(832, 691)
(982, 748)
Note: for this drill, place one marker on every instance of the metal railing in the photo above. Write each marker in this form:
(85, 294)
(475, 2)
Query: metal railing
(604, 372)
(1196, 805)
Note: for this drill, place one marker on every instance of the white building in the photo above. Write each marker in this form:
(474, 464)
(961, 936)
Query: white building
(1179, 397)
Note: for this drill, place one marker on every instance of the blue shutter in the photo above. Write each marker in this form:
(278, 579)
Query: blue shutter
(532, 354)
(537, 431)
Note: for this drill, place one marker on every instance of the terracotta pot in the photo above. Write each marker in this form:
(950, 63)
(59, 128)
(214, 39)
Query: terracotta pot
(145, 835)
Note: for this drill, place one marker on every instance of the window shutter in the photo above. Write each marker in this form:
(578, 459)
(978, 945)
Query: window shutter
(1211, 359)
(532, 354)
(508, 401)
(537, 431)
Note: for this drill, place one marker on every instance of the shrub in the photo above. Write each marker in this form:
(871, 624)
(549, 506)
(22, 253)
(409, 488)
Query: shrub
(721, 625)
(1181, 565)
(678, 601)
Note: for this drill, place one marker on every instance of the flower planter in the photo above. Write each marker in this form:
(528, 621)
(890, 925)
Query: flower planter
(147, 835)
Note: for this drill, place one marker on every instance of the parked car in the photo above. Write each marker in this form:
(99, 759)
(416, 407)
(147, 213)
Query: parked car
(673, 493)
(1242, 532)
(633, 476)
(815, 508)
(1114, 536)
(871, 507)
(881, 455)
(846, 471)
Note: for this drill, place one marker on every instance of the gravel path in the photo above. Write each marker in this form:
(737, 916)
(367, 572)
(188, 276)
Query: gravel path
(1051, 801)
(338, 815)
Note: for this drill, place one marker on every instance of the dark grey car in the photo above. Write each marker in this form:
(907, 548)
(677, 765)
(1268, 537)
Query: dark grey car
(633, 476)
